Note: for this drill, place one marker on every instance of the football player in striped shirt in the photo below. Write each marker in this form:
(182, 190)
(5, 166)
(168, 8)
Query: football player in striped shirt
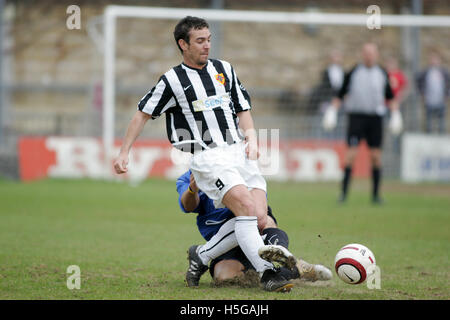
(208, 114)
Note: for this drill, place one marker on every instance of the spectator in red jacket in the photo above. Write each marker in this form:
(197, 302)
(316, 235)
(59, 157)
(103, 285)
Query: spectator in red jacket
(397, 79)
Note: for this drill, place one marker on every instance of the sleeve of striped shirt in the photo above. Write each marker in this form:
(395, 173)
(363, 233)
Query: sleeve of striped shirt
(158, 100)
(239, 95)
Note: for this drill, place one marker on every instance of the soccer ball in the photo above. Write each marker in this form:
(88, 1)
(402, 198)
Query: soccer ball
(352, 262)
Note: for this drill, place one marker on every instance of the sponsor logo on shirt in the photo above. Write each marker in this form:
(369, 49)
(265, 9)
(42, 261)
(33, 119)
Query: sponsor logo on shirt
(212, 102)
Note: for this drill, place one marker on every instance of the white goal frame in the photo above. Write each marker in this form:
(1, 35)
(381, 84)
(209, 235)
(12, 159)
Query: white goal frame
(113, 12)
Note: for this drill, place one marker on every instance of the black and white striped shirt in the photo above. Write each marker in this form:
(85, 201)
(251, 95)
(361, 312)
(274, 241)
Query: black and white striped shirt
(201, 105)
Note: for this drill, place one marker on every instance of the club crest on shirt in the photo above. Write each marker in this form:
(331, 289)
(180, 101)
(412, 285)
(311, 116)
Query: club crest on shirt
(221, 78)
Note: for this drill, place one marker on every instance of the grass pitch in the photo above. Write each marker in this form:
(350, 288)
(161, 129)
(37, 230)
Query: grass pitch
(131, 242)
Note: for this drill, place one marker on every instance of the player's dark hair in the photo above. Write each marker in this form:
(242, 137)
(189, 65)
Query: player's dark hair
(185, 25)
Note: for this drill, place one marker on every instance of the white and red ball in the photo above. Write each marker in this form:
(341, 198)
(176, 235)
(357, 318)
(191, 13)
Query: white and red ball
(352, 262)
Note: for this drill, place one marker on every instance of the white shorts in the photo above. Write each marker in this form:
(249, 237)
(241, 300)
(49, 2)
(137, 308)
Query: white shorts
(219, 169)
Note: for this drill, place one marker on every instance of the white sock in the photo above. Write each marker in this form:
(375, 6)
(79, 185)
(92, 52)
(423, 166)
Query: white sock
(223, 241)
(249, 239)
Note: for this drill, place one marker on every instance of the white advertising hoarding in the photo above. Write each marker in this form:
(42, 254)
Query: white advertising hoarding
(425, 158)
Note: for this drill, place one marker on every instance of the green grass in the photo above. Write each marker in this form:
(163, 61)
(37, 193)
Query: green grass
(131, 242)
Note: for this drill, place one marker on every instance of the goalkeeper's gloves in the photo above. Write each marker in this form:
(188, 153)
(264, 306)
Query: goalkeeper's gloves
(396, 122)
(330, 118)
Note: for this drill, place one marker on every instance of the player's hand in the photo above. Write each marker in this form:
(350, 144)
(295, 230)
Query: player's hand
(121, 163)
(329, 121)
(193, 184)
(252, 151)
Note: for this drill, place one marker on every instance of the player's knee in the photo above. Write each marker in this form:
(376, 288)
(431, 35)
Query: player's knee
(270, 223)
(228, 269)
(375, 156)
(240, 202)
(262, 221)
(350, 159)
(261, 215)
(376, 163)
(350, 155)
(248, 206)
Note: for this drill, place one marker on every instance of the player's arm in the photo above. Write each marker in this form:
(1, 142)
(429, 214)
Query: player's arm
(190, 198)
(133, 131)
(242, 106)
(152, 105)
(336, 102)
(392, 102)
(247, 126)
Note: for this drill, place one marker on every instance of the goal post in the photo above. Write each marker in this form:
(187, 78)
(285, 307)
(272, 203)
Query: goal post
(114, 12)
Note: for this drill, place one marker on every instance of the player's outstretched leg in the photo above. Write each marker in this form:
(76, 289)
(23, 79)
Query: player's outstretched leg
(313, 272)
(278, 255)
(196, 267)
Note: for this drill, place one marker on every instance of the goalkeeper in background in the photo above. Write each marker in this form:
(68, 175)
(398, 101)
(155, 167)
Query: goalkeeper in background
(367, 93)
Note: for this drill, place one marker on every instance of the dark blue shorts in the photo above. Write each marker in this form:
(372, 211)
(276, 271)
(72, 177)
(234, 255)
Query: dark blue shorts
(237, 254)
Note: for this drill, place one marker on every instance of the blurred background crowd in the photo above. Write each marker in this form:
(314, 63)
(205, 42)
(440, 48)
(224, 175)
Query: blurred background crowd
(52, 76)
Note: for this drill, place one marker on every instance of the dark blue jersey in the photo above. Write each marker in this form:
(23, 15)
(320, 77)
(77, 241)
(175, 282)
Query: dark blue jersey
(209, 219)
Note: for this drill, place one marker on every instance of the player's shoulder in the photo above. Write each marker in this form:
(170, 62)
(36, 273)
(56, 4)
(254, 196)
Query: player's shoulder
(170, 76)
(351, 71)
(225, 64)
(221, 61)
(383, 70)
(172, 70)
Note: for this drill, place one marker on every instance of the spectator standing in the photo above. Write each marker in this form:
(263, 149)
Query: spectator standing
(434, 86)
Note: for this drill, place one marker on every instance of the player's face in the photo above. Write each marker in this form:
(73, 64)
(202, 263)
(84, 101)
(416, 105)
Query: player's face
(196, 52)
(370, 54)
